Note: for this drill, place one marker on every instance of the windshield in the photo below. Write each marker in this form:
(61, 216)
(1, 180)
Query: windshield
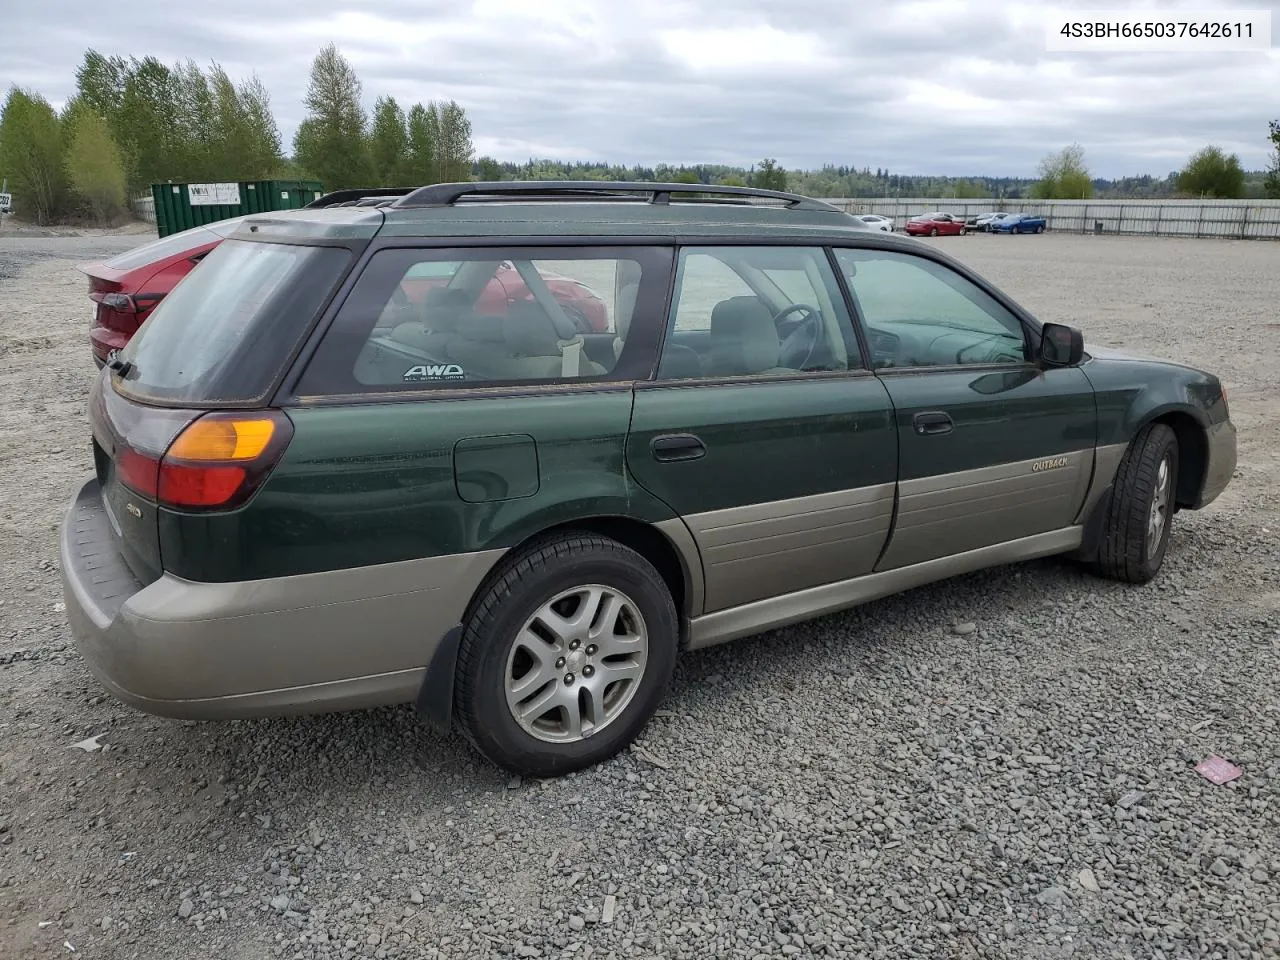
(229, 325)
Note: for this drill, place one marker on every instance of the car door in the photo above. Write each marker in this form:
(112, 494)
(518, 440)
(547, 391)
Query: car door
(991, 448)
(764, 430)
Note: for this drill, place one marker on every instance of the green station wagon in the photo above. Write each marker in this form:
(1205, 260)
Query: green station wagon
(323, 482)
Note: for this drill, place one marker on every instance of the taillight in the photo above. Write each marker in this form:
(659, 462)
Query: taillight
(120, 302)
(216, 462)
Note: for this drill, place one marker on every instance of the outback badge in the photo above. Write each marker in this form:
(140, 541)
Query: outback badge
(1052, 464)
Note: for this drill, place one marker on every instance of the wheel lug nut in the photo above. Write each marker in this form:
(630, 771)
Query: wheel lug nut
(591, 650)
(560, 664)
(568, 679)
(588, 670)
(573, 644)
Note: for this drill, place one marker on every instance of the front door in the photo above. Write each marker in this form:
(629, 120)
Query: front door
(990, 447)
(764, 430)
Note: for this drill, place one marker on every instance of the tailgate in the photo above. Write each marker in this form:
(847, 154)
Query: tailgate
(128, 441)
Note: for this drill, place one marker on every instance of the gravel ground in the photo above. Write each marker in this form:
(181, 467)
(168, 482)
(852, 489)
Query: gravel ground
(997, 766)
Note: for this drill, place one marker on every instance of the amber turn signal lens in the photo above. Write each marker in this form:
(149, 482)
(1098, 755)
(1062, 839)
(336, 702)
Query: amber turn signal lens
(218, 440)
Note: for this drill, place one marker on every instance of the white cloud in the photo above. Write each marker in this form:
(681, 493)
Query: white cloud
(931, 86)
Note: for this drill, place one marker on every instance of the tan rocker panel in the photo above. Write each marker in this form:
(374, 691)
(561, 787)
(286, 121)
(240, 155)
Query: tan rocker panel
(954, 512)
(765, 549)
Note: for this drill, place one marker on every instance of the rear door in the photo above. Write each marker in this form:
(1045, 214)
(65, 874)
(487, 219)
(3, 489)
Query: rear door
(764, 430)
(991, 447)
(455, 423)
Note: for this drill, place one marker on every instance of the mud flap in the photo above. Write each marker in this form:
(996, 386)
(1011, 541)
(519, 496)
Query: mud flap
(435, 697)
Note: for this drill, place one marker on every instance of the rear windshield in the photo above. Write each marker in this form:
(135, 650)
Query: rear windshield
(224, 332)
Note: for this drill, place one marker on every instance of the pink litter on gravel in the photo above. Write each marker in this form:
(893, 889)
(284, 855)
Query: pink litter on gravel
(1216, 770)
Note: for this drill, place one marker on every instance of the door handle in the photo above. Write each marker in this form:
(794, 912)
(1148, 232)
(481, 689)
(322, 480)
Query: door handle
(677, 446)
(933, 422)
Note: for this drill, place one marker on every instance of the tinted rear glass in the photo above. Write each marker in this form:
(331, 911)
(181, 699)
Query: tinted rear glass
(224, 332)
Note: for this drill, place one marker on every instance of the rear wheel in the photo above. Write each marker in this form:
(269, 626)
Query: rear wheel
(933, 232)
(566, 655)
(1135, 531)
(963, 231)
(1040, 229)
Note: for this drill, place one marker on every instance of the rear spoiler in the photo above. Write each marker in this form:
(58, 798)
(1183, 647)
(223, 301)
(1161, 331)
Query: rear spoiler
(373, 196)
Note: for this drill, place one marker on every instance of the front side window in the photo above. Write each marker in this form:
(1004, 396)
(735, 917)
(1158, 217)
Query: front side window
(756, 311)
(422, 319)
(919, 313)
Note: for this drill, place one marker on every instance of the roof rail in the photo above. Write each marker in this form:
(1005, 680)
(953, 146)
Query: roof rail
(338, 198)
(446, 194)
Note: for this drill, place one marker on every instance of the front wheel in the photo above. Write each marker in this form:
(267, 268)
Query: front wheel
(1039, 229)
(1135, 530)
(963, 231)
(933, 232)
(566, 656)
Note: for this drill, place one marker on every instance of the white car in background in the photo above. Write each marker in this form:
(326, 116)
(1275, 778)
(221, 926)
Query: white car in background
(877, 222)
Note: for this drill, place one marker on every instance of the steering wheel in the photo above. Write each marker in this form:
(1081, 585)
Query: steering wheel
(805, 336)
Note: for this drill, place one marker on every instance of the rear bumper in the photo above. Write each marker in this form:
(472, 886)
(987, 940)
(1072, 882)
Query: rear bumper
(291, 645)
(1222, 461)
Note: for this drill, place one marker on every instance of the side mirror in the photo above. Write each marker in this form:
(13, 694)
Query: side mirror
(1060, 345)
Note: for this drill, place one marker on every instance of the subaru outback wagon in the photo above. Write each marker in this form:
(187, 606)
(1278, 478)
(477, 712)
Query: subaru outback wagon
(314, 492)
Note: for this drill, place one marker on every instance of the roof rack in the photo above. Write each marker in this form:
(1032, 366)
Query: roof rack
(446, 194)
(340, 198)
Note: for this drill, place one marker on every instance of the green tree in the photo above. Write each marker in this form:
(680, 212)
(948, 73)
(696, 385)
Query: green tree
(686, 176)
(100, 83)
(732, 180)
(150, 123)
(968, 190)
(456, 152)
(1064, 176)
(331, 141)
(488, 169)
(388, 142)
(95, 166)
(424, 140)
(770, 176)
(31, 155)
(1212, 173)
(1272, 181)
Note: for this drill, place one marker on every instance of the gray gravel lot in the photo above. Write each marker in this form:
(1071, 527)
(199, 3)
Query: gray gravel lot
(997, 766)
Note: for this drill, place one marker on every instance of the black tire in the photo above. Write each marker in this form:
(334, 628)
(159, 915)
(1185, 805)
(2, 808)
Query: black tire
(933, 232)
(522, 584)
(1125, 551)
(1039, 229)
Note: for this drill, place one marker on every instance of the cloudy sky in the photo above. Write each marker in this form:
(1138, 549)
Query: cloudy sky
(918, 86)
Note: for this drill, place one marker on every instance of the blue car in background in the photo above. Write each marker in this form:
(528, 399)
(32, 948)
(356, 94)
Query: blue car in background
(1018, 223)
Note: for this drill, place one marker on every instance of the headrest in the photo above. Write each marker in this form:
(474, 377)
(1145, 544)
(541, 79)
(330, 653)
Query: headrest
(529, 332)
(743, 337)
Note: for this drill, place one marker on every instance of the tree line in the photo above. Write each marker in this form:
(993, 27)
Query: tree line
(134, 122)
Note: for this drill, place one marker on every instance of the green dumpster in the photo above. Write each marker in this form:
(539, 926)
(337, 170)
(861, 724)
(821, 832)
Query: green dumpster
(181, 206)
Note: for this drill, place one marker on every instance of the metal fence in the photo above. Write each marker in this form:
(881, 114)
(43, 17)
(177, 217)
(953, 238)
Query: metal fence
(145, 208)
(1227, 219)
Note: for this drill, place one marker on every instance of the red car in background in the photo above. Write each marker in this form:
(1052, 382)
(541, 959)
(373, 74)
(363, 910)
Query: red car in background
(936, 224)
(126, 288)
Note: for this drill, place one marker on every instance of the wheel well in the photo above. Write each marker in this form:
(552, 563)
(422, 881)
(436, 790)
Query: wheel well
(1193, 455)
(639, 536)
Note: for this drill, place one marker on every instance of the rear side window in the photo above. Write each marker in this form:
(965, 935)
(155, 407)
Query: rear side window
(228, 327)
(429, 319)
